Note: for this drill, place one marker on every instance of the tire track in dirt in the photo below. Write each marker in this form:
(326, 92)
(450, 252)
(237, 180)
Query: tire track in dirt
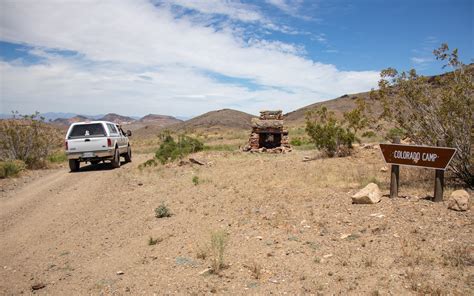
(44, 215)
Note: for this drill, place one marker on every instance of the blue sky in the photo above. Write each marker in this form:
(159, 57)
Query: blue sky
(188, 57)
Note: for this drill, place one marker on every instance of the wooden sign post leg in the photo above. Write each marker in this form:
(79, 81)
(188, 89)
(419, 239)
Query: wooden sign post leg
(395, 175)
(439, 180)
(439, 186)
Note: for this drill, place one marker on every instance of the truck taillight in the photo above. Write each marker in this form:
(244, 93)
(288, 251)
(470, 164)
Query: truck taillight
(109, 142)
(67, 148)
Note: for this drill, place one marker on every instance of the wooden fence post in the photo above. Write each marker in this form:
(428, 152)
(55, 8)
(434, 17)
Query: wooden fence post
(395, 175)
(439, 179)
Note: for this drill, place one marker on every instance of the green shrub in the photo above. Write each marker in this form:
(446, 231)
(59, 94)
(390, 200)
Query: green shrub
(11, 168)
(296, 142)
(171, 150)
(162, 211)
(28, 138)
(369, 134)
(328, 134)
(196, 180)
(57, 157)
(395, 133)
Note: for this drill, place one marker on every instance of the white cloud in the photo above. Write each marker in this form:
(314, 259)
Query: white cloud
(421, 60)
(120, 42)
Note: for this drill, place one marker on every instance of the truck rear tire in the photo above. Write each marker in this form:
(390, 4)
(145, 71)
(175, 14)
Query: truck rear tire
(116, 159)
(128, 155)
(74, 165)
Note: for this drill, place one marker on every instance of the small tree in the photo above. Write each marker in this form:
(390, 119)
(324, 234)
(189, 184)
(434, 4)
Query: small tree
(27, 138)
(357, 118)
(327, 133)
(428, 109)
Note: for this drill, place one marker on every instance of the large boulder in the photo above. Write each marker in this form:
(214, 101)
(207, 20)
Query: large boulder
(370, 194)
(459, 200)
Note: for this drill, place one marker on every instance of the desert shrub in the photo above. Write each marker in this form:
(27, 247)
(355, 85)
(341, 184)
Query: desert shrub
(153, 241)
(28, 138)
(162, 211)
(11, 168)
(171, 150)
(429, 109)
(296, 142)
(395, 133)
(328, 134)
(369, 134)
(196, 180)
(57, 157)
(218, 245)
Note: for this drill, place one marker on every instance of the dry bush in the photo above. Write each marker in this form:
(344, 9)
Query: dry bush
(218, 245)
(459, 256)
(11, 168)
(29, 139)
(255, 269)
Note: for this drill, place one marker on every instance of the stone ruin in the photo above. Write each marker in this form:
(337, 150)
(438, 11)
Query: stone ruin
(268, 134)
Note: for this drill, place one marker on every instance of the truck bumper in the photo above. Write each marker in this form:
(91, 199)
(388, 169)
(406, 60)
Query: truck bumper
(91, 155)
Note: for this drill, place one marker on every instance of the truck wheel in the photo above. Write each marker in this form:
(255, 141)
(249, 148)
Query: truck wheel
(116, 160)
(74, 165)
(128, 155)
(94, 162)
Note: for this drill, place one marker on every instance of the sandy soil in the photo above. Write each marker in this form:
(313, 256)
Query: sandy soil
(291, 229)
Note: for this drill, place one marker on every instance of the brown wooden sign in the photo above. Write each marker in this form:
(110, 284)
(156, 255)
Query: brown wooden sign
(420, 156)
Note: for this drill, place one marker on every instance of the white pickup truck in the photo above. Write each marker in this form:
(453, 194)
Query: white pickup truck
(97, 141)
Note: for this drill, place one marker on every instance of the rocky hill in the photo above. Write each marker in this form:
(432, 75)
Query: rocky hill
(113, 117)
(227, 118)
(65, 122)
(162, 120)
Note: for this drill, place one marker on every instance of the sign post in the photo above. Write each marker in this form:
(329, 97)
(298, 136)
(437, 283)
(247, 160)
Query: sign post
(419, 156)
(395, 175)
(439, 180)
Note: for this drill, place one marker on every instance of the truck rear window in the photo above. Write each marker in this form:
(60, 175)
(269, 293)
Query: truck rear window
(87, 130)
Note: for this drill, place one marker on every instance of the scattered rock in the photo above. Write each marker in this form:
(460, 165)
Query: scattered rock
(459, 200)
(140, 184)
(274, 281)
(38, 286)
(185, 261)
(384, 169)
(206, 271)
(120, 272)
(370, 194)
(196, 161)
(328, 256)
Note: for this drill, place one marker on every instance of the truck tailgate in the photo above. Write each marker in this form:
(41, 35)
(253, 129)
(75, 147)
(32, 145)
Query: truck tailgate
(83, 145)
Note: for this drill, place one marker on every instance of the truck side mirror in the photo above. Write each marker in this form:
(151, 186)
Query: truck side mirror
(129, 133)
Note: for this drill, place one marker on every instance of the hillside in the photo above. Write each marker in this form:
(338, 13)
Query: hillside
(348, 101)
(65, 122)
(113, 117)
(162, 120)
(339, 105)
(220, 118)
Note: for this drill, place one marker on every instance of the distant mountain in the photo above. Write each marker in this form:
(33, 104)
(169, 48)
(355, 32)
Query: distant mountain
(67, 121)
(113, 117)
(221, 118)
(159, 119)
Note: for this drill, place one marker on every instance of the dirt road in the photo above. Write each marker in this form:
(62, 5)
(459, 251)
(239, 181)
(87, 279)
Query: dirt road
(291, 226)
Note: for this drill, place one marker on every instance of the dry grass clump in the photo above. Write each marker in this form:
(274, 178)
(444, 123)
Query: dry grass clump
(459, 256)
(218, 244)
